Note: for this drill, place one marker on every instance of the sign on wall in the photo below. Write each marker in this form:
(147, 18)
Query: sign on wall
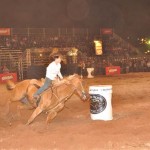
(107, 31)
(98, 47)
(4, 31)
(8, 76)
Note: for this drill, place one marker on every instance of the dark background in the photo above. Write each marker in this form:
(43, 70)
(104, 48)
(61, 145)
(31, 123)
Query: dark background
(126, 17)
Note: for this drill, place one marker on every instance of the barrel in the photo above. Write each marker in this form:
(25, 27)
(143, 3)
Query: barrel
(100, 102)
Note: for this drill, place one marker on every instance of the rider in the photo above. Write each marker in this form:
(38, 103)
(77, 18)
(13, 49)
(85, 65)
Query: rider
(52, 71)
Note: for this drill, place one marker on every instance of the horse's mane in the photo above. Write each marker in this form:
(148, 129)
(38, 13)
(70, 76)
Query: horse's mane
(66, 80)
(70, 77)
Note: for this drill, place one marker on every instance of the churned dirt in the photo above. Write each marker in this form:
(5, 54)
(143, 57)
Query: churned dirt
(73, 128)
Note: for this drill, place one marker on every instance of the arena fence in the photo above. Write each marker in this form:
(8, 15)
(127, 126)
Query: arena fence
(55, 31)
(10, 58)
(33, 62)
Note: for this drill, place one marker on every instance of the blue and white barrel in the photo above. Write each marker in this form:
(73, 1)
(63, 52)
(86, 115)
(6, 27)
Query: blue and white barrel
(100, 102)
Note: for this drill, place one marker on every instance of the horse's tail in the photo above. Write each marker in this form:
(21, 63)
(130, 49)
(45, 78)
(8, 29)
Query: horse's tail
(10, 85)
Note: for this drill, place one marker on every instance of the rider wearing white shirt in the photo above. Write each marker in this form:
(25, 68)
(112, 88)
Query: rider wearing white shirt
(52, 71)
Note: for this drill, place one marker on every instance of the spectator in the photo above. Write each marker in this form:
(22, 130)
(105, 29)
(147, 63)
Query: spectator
(5, 69)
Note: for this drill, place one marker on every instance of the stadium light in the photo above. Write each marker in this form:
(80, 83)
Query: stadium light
(148, 42)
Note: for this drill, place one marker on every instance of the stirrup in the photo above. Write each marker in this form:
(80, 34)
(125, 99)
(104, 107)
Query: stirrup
(37, 99)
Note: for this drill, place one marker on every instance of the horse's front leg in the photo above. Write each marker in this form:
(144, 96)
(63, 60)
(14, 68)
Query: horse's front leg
(52, 113)
(36, 112)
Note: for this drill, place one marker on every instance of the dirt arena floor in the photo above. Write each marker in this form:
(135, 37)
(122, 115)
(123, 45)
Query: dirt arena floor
(73, 128)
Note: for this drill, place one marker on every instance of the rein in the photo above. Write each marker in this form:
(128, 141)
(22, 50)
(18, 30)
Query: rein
(56, 95)
(68, 96)
(61, 100)
(74, 89)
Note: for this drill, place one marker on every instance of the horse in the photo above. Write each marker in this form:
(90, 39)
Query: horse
(25, 88)
(53, 99)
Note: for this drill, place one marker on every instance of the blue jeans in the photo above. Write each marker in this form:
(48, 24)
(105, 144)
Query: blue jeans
(46, 85)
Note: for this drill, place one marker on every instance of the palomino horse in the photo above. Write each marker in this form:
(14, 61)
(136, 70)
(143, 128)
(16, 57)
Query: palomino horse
(25, 88)
(53, 99)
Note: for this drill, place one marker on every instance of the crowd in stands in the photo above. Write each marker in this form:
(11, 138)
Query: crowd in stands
(24, 42)
(127, 65)
(4, 69)
(99, 63)
(83, 43)
(114, 52)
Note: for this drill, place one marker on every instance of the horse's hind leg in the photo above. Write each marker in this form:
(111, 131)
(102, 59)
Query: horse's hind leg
(36, 112)
(52, 113)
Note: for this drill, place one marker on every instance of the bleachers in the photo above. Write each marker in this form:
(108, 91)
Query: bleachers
(10, 58)
(20, 49)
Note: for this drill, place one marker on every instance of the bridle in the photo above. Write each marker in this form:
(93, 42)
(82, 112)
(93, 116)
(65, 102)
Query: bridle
(78, 90)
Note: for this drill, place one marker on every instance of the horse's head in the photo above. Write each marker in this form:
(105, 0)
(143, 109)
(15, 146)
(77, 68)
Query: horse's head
(76, 82)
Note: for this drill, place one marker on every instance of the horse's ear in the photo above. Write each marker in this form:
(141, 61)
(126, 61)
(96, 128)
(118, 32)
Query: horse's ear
(71, 76)
(76, 75)
(42, 79)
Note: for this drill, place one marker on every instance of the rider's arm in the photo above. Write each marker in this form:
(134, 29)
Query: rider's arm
(60, 75)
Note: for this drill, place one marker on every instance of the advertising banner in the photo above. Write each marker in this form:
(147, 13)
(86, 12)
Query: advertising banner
(4, 31)
(112, 70)
(8, 76)
(107, 31)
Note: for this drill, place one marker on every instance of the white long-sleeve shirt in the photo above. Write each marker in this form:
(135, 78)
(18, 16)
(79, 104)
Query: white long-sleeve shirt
(53, 70)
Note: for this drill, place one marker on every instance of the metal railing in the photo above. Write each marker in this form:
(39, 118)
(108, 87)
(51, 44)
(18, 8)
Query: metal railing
(55, 31)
